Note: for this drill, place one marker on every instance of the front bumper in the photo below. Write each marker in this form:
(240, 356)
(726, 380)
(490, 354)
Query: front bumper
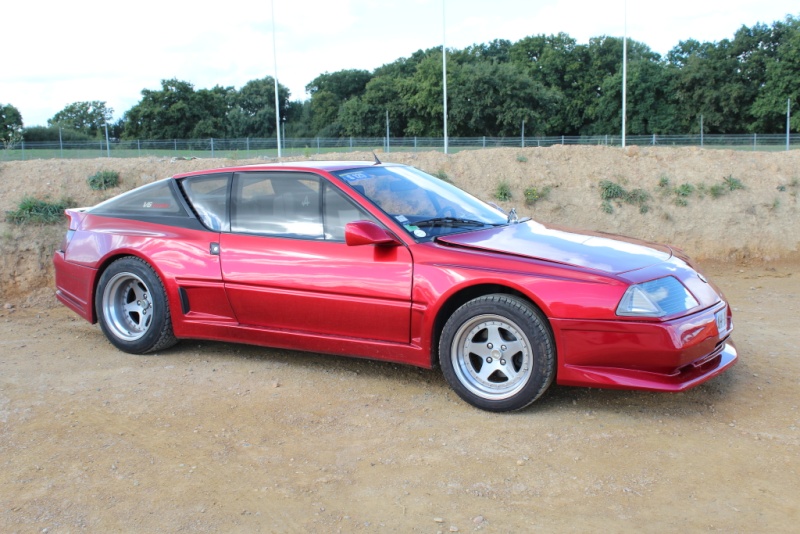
(671, 356)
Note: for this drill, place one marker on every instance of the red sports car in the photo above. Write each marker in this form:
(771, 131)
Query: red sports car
(386, 262)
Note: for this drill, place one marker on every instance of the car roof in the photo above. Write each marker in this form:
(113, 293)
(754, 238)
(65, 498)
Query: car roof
(291, 165)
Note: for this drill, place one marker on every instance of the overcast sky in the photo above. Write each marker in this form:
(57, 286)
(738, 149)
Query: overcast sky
(58, 52)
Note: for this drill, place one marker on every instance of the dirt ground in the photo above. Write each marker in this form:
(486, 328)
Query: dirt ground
(227, 438)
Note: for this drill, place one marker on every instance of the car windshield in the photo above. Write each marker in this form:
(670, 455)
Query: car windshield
(424, 205)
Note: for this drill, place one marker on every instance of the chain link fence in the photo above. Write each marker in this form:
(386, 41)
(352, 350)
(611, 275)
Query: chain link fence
(249, 148)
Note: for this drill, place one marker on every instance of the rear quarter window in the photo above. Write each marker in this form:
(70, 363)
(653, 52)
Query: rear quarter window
(152, 200)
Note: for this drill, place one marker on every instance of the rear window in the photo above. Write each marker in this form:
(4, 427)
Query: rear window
(152, 200)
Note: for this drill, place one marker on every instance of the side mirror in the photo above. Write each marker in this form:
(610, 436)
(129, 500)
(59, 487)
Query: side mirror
(367, 233)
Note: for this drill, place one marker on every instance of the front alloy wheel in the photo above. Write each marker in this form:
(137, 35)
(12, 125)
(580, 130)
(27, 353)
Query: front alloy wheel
(496, 352)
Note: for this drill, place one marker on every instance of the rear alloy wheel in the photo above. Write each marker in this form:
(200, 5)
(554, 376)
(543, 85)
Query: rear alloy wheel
(132, 307)
(497, 353)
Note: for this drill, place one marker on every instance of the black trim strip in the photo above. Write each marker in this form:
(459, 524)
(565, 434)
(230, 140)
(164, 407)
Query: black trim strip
(184, 300)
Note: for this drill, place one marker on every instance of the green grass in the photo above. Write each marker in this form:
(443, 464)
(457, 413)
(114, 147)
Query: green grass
(733, 183)
(535, 194)
(102, 180)
(36, 211)
(613, 191)
(503, 191)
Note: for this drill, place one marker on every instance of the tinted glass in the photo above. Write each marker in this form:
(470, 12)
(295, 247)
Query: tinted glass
(284, 204)
(208, 196)
(152, 200)
(338, 210)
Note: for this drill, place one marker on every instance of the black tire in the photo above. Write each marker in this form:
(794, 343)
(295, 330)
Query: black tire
(497, 353)
(132, 307)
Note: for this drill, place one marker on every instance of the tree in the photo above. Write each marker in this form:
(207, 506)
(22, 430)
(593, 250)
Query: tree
(253, 111)
(781, 82)
(10, 125)
(329, 91)
(89, 118)
(177, 111)
(494, 98)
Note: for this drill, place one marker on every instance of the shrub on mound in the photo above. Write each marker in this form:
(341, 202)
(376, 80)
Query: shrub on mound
(36, 211)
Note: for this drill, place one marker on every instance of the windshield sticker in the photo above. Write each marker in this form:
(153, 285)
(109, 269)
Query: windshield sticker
(351, 176)
(414, 230)
(401, 218)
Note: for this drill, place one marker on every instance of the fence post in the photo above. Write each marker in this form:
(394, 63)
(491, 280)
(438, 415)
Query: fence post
(247, 143)
(654, 139)
(212, 148)
(562, 139)
(351, 143)
(175, 144)
(415, 143)
(755, 140)
(317, 144)
(139, 147)
(484, 141)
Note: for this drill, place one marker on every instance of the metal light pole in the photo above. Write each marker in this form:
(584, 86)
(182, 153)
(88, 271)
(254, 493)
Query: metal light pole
(788, 117)
(624, 73)
(277, 101)
(387, 130)
(444, 76)
(108, 147)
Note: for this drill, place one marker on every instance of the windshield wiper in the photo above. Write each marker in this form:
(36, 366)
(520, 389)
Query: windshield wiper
(450, 221)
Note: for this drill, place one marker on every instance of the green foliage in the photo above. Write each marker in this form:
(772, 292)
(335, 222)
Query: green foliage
(610, 190)
(522, 159)
(663, 182)
(684, 190)
(613, 191)
(35, 211)
(51, 133)
(534, 194)
(10, 125)
(733, 183)
(102, 180)
(503, 191)
(88, 118)
(440, 174)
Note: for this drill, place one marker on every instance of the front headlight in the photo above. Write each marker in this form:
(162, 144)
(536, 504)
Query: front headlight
(657, 298)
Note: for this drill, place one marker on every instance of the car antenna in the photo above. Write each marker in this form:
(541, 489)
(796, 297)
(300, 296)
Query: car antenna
(377, 161)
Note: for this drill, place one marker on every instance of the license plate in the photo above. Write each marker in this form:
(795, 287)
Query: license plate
(721, 317)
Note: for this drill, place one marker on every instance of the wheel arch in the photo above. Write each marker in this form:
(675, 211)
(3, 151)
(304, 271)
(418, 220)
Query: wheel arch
(104, 265)
(464, 295)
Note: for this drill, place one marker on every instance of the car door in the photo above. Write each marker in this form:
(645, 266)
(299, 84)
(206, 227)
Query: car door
(286, 266)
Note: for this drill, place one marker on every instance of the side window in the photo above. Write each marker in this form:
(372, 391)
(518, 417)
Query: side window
(337, 211)
(281, 204)
(208, 196)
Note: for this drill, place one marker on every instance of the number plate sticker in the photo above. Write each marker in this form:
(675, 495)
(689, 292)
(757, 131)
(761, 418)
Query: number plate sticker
(722, 320)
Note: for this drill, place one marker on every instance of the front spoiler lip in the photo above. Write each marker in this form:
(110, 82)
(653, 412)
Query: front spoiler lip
(682, 379)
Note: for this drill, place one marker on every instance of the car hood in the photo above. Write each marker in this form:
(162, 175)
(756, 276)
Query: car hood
(602, 252)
